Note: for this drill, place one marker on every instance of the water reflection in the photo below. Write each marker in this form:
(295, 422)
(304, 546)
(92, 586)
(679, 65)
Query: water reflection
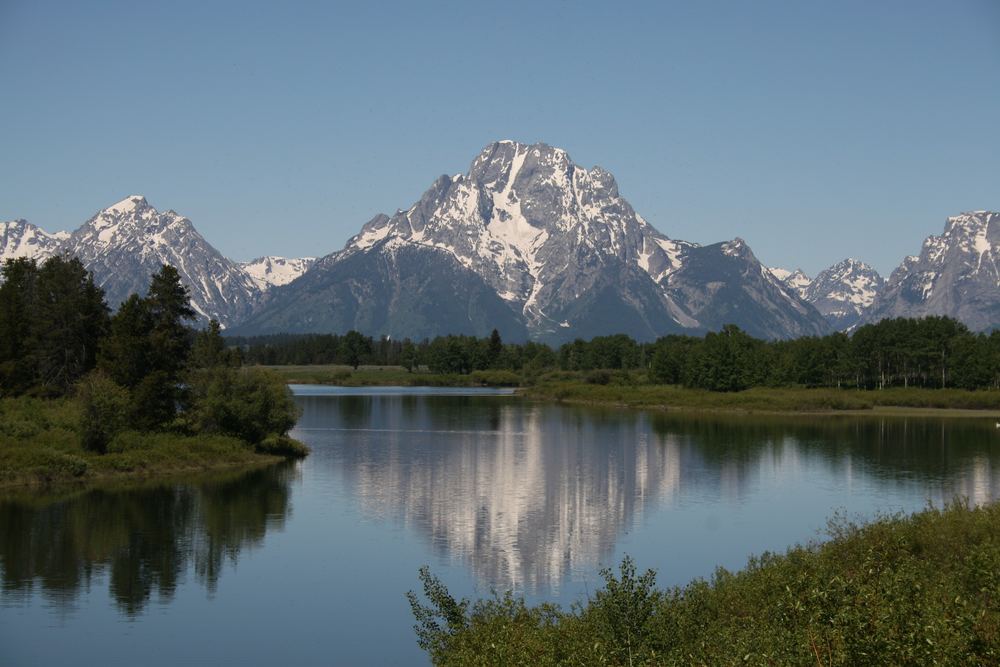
(526, 494)
(144, 540)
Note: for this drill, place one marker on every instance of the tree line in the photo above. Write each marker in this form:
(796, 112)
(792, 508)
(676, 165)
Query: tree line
(929, 352)
(144, 368)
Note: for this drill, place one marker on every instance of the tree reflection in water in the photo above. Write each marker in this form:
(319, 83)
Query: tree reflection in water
(144, 539)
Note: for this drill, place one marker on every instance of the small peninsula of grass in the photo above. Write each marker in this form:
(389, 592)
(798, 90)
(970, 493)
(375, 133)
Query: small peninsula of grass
(904, 590)
(88, 395)
(40, 443)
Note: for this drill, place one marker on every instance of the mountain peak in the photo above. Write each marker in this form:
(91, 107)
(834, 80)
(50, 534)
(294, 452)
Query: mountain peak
(128, 204)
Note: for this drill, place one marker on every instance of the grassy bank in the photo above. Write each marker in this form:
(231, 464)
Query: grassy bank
(391, 376)
(615, 388)
(922, 589)
(40, 443)
(766, 399)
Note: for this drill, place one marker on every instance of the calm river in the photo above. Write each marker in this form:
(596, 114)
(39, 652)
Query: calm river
(308, 563)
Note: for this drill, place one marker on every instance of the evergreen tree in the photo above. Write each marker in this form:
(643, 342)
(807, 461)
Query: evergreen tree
(354, 348)
(494, 349)
(17, 296)
(159, 393)
(125, 352)
(69, 320)
(209, 349)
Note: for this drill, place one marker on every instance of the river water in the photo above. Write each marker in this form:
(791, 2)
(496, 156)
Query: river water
(308, 563)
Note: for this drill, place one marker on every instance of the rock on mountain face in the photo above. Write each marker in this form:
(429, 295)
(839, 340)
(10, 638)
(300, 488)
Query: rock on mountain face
(844, 292)
(797, 279)
(124, 244)
(555, 245)
(400, 290)
(956, 274)
(20, 238)
(270, 271)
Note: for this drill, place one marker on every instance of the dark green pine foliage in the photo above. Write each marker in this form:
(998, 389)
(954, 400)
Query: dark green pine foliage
(125, 352)
(355, 348)
(494, 349)
(159, 394)
(17, 296)
(69, 319)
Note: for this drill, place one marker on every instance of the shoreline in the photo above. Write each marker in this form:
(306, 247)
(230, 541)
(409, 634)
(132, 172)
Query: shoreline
(875, 411)
(28, 482)
(779, 401)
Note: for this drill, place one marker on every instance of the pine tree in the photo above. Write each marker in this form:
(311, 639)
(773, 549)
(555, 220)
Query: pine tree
(70, 318)
(17, 295)
(125, 352)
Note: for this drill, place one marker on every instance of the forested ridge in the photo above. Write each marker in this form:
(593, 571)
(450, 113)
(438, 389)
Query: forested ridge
(930, 352)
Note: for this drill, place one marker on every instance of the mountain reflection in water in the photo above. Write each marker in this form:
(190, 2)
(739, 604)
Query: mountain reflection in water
(525, 494)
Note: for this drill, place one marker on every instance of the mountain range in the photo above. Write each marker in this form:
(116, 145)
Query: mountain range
(530, 243)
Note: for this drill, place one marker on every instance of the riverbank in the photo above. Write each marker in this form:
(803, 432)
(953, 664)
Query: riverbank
(920, 589)
(40, 444)
(617, 389)
(776, 400)
(391, 376)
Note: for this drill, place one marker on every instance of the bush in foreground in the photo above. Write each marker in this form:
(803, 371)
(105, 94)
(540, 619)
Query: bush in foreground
(923, 589)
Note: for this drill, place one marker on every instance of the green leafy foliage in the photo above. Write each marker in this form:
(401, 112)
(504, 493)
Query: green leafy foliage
(249, 404)
(104, 407)
(920, 589)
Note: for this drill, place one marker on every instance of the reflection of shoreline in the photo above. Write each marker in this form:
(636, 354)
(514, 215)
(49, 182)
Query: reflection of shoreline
(526, 494)
(142, 537)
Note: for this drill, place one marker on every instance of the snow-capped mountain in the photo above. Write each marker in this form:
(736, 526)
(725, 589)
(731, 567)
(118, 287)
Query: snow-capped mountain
(844, 292)
(124, 244)
(796, 279)
(271, 271)
(956, 274)
(527, 232)
(20, 238)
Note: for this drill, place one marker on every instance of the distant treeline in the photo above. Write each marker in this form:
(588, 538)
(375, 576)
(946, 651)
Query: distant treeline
(927, 352)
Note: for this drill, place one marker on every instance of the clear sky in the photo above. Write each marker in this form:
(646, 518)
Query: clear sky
(814, 130)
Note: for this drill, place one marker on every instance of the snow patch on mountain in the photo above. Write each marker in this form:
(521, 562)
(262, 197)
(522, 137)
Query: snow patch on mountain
(271, 271)
(20, 238)
(125, 243)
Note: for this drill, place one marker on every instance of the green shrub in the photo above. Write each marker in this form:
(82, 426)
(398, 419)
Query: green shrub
(249, 404)
(904, 590)
(104, 410)
(599, 376)
(282, 445)
(496, 378)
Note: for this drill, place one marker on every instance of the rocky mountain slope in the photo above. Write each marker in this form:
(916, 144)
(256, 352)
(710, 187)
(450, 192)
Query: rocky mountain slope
(955, 274)
(20, 238)
(124, 244)
(554, 244)
(842, 293)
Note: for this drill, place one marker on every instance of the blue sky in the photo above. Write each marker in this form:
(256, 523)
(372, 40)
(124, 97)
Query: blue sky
(814, 130)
